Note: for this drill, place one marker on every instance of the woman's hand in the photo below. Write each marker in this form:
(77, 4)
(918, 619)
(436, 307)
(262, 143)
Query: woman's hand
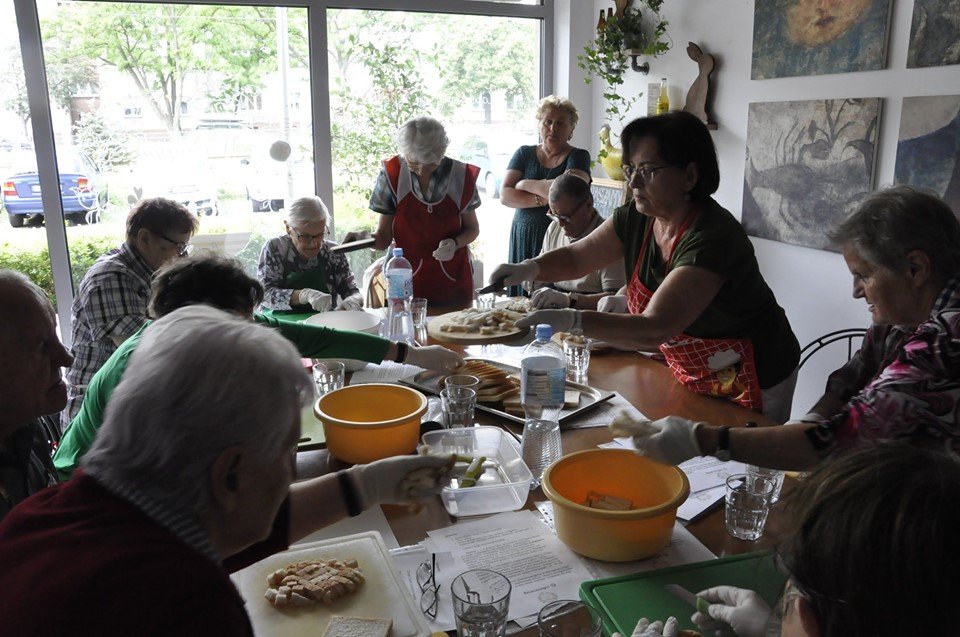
(400, 480)
(656, 629)
(743, 610)
(670, 440)
(559, 320)
(445, 250)
(434, 357)
(515, 273)
(352, 302)
(549, 298)
(615, 304)
(319, 301)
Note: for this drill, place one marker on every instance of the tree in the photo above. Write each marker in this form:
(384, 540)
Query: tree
(106, 144)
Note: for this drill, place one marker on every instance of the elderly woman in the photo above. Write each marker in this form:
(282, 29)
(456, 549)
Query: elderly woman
(298, 270)
(903, 248)
(221, 282)
(189, 479)
(694, 287)
(870, 551)
(526, 184)
(427, 204)
(574, 217)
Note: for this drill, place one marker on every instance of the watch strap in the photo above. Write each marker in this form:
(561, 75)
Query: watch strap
(723, 444)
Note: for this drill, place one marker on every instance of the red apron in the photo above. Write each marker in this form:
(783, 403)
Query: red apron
(419, 226)
(713, 366)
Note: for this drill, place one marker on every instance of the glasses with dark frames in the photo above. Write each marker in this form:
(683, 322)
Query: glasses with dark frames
(645, 171)
(427, 581)
(567, 218)
(309, 238)
(183, 249)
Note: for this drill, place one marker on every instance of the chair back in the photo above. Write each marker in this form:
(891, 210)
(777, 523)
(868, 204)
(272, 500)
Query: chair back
(848, 335)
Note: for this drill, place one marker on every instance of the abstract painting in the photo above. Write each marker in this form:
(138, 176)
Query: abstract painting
(928, 150)
(809, 164)
(816, 37)
(934, 34)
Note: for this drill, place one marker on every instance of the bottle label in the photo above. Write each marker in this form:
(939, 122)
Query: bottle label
(399, 285)
(542, 386)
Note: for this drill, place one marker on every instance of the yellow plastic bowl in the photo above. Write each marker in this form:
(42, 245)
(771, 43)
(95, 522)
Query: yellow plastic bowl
(363, 423)
(614, 536)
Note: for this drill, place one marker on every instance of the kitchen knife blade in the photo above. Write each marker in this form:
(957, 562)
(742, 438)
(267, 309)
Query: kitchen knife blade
(698, 603)
(496, 288)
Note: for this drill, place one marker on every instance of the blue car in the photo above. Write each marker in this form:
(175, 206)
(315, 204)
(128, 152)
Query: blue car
(82, 191)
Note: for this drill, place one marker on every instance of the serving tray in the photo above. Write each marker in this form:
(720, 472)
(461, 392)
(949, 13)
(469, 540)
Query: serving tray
(590, 397)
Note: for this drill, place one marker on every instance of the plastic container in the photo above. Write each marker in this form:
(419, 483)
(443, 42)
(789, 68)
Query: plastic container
(505, 482)
(543, 374)
(656, 491)
(363, 423)
(398, 273)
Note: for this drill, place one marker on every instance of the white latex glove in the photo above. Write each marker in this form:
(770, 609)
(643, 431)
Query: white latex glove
(433, 357)
(352, 302)
(401, 479)
(515, 273)
(656, 629)
(549, 298)
(742, 609)
(670, 440)
(616, 304)
(560, 320)
(445, 250)
(319, 301)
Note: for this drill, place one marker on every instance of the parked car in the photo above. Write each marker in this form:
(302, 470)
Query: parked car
(491, 159)
(189, 180)
(82, 190)
(265, 179)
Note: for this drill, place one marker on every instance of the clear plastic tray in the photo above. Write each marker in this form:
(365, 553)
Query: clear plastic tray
(505, 482)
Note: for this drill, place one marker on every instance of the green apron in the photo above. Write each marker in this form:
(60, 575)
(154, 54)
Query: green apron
(315, 279)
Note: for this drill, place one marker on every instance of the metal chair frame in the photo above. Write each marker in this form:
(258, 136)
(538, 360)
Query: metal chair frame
(818, 344)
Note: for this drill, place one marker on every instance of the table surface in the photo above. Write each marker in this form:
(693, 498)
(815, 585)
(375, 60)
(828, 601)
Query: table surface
(651, 388)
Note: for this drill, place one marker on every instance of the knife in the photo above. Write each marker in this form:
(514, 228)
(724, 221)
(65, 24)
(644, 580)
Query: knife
(684, 595)
(495, 287)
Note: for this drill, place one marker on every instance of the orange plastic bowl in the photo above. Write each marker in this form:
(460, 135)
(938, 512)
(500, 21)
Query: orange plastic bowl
(656, 491)
(363, 423)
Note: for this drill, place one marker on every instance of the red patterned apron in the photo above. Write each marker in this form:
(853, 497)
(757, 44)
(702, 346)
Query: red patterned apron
(713, 366)
(419, 226)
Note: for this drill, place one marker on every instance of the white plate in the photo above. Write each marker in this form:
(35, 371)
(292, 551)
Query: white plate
(357, 320)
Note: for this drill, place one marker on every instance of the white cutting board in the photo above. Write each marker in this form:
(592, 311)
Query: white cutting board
(381, 595)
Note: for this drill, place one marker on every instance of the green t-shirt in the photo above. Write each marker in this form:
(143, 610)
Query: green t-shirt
(312, 341)
(745, 306)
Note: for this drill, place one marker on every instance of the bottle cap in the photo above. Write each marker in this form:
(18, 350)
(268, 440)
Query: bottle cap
(398, 252)
(544, 331)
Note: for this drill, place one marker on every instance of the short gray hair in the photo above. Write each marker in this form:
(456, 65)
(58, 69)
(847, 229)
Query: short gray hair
(894, 221)
(12, 285)
(423, 139)
(569, 185)
(196, 385)
(306, 210)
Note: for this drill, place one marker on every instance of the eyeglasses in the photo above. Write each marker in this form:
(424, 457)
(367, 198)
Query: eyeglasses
(645, 171)
(567, 217)
(309, 238)
(183, 249)
(427, 580)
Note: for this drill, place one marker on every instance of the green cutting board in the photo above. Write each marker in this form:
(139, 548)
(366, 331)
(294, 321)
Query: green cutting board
(624, 600)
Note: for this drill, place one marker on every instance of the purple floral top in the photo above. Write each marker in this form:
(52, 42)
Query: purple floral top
(903, 383)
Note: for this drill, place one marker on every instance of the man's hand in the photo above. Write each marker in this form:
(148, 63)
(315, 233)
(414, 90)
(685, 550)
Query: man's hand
(401, 479)
(445, 250)
(515, 273)
(559, 320)
(319, 301)
(743, 610)
(615, 304)
(549, 298)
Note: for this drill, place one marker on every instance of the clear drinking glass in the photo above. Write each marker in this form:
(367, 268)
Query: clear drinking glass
(486, 301)
(569, 618)
(458, 405)
(418, 311)
(748, 504)
(577, 350)
(328, 376)
(773, 474)
(481, 599)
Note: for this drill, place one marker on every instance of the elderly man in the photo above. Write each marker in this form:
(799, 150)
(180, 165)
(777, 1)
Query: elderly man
(111, 303)
(298, 270)
(31, 356)
(189, 478)
(574, 217)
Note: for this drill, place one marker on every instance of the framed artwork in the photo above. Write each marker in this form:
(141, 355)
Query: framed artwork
(928, 148)
(812, 37)
(809, 164)
(608, 195)
(934, 34)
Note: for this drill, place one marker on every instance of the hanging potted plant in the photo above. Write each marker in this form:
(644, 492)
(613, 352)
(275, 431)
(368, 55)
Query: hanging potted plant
(607, 59)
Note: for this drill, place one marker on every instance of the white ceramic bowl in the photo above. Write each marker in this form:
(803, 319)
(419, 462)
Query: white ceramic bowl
(357, 320)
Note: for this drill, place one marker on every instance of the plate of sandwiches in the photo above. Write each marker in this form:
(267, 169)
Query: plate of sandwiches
(499, 389)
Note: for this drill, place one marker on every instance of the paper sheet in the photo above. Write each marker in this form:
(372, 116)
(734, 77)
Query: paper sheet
(385, 372)
(601, 415)
(518, 545)
(370, 520)
(407, 560)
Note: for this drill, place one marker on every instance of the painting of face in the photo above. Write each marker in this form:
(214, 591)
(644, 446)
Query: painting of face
(816, 22)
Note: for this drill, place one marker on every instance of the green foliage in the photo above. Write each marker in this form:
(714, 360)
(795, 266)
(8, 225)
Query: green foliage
(32, 258)
(107, 144)
(604, 58)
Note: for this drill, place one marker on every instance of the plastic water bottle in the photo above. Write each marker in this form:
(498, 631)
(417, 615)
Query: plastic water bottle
(542, 386)
(399, 275)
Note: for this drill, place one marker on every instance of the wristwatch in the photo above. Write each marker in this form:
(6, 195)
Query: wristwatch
(723, 442)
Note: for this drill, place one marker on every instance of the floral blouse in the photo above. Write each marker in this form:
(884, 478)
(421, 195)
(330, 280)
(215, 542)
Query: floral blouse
(279, 258)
